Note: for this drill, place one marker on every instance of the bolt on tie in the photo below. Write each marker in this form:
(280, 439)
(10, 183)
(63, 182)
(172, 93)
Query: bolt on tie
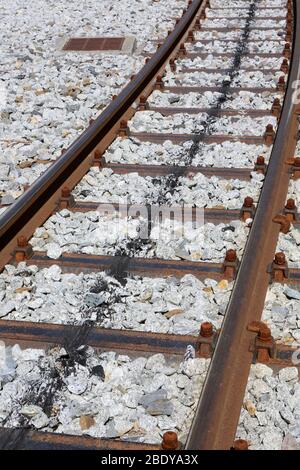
(23, 250)
(278, 269)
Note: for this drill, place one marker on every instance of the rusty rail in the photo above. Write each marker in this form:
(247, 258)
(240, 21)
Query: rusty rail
(219, 407)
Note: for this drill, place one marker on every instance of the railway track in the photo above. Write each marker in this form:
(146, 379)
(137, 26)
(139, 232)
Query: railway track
(153, 292)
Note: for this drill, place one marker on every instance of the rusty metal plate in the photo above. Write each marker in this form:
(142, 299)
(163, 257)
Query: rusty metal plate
(94, 44)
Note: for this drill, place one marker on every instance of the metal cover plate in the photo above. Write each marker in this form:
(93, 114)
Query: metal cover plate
(105, 44)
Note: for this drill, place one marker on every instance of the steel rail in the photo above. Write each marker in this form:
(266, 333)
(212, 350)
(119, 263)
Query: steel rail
(27, 206)
(219, 407)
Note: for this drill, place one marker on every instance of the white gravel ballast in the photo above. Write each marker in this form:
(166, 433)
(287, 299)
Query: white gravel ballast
(289, 244)
(219, 62)
(243, 100)
(171, 190)
(243, 4)
(243, 12)
(257, 47)
(212, 23)
(160, 305)
(244, 79)
(254, 35)
(294, 192)
(223, 155)
(82, 392)
(93, 233)
(270, 418)
(151, 121)
(282, 313)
